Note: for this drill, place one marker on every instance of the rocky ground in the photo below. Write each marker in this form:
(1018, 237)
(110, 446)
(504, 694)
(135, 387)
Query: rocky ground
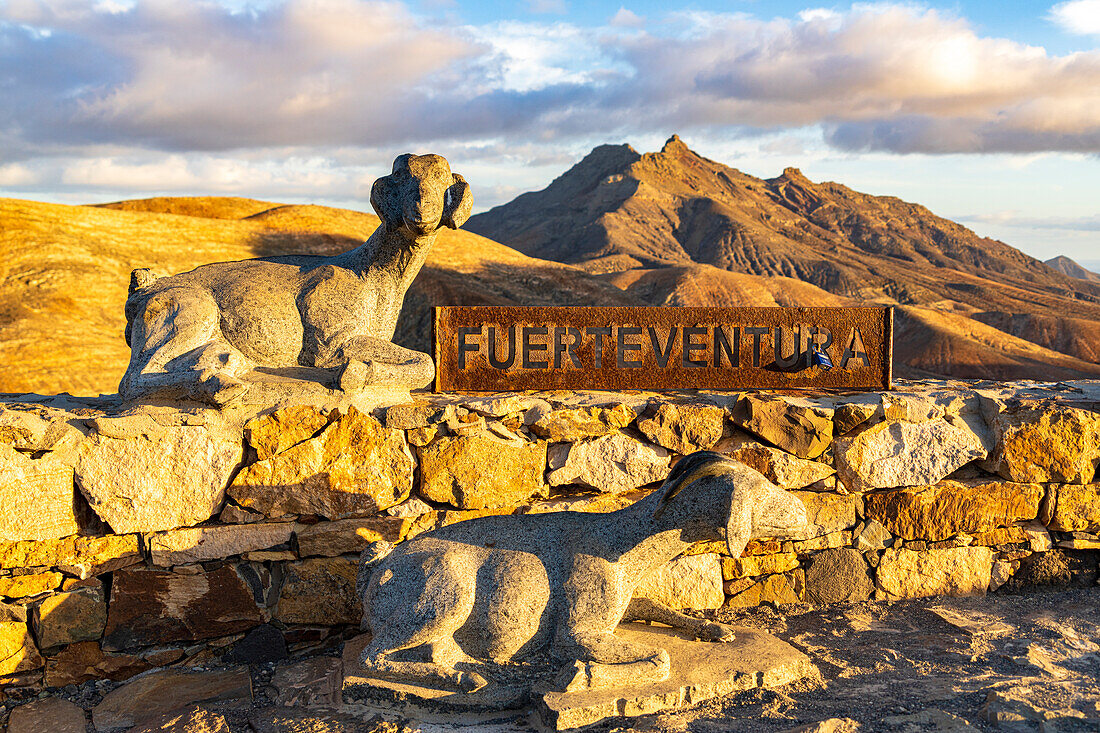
(946, 664)
(1002, 662)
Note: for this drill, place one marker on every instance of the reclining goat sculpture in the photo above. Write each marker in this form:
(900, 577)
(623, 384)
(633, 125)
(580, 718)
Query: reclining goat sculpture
(193, 335)
(445, 604)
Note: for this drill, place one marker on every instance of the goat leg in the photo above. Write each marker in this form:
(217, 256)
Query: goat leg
(647, 609)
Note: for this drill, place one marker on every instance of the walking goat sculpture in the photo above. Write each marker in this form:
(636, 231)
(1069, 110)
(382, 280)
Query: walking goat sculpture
(195, 334)
(446, 605)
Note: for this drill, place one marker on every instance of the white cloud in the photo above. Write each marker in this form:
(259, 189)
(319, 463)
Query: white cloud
(1081, 17)
(156, 94)
(16, 174)
(1015, 218)
(625, 18)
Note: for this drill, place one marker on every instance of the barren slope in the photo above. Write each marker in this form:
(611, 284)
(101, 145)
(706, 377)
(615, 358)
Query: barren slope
(928, 342)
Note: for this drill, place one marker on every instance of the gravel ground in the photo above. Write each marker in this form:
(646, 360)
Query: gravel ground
(954, 665)
(884, 664)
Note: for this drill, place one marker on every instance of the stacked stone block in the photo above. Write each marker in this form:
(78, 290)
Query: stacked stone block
(160, 536)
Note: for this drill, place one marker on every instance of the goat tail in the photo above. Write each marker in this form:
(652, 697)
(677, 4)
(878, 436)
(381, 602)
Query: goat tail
(373, 554)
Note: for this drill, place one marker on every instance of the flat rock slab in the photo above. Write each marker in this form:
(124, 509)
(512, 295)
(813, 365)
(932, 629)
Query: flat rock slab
(700, 671)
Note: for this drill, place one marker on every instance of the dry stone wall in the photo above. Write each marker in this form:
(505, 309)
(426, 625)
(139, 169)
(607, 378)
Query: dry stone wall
(165, 536)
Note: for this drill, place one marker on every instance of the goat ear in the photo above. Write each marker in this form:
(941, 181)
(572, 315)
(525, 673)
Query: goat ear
(401, 161)
(384, 199)
(384, 195)
(457, 203)
(739, 523)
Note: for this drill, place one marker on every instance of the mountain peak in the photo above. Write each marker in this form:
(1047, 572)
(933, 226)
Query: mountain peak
(675, 146)
(793, 174)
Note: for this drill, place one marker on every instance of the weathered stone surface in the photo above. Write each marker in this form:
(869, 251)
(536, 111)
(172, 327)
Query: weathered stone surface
(317, 681)
(778, 589)
(683, 428)
(83, 556)
(481, 472)
(21, 429)
(755, 565)
(873, 536)
(48, 715)
(66, 618)
(1075, 508)
(1055, 568)
(265, 643)
(150, 607)
(196, 544)
(21, 586)
(415, 415)
(613, 463)
(284, 428)
(85, 661)
(781, 468)
(803, 431)
(328, 539)
(597, 502)
(911, 407)
(193, 720)
(850, 415)
(1043, 442)
(959, 571)
(18, 652)
(37, 498)
(824, 542)
(692, 581)
(500, 405)
(948, 508)
(838, 575)
(569, 425)
(902, 453)
(831, 725)
(828, 513)
(411, 508)
(168, 478)
(994, 537)
(320, 591)
(354, 467)
(1023, 708)
(233, 514)
(699, 671)
(162, 691)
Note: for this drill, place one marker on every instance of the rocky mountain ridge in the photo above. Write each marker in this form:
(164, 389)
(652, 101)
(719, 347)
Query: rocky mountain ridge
(621, 211)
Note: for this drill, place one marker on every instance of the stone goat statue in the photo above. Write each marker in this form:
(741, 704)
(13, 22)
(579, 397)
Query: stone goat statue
(193, 335)
(447, 604)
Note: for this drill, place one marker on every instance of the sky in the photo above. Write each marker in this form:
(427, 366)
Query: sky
(985, 112)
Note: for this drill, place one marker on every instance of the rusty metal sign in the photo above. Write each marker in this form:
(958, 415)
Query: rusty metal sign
(491, 348)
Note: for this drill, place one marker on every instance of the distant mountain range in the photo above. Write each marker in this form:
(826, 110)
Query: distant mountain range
(619, 228)
(1069, 267)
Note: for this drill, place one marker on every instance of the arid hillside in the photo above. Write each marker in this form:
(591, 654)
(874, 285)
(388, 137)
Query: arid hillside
(658, 217)
(64, 273)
